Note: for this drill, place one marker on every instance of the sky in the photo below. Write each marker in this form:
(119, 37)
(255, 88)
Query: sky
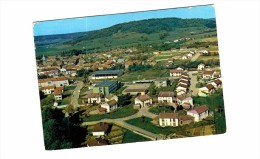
(83, 24)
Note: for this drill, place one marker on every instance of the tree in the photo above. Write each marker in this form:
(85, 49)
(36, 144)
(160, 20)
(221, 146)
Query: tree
(163, 34)
(48, 101)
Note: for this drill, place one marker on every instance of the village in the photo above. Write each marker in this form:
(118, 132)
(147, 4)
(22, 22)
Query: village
(152, 95)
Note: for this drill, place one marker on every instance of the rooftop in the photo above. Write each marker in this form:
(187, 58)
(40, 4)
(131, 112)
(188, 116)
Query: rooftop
(106, 83)
(108, 72)
(168, 115)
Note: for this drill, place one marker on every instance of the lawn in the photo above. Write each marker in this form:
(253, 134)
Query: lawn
(158, 109)
(145, 123)
(119, 113)
(65, 101)
(70, 87)
(130, 137)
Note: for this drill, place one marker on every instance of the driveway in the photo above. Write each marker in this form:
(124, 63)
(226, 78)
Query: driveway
(193, 82)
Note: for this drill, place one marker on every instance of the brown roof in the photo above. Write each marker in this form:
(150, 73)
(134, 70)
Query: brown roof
(176, 71)
(135, 90)
(182, 85)
(201, 109)
(52, 79)
(101, 109)
(209, 86)
(143, 97)
(101, 127)
(112, 102)
(208, 72)
(97, 142)
(217, 81)
(57, 91)
(186, 117)
(168, 115)
(183, 81)
(183, 96)
(186, 78)
(166, 94)
(92, 95)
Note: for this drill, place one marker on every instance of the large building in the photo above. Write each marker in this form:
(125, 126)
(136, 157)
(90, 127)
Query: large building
(57, 82)
(106, 87)
(107, 74)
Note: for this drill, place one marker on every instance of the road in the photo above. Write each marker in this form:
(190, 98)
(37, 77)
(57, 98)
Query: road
(121, 122)
(193, 82)
(194, 58)
(75, 95)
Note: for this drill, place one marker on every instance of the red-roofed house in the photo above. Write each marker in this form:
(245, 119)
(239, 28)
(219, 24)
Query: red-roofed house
(58, 93)
(143, 100)
(199, 113)
(168, 119)
(176, 72)
(208, 74)
(207, 90)
(166, 97)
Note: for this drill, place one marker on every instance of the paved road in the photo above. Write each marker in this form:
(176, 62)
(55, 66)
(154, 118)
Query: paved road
(194, 58)
(75, 95)
(137, 130)
(193, 82)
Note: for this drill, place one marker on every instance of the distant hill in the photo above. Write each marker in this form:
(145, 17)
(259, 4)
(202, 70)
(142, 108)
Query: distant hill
(127, 33)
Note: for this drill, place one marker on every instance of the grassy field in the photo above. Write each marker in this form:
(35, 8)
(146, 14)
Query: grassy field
(130, 137)
(147, 125)
(158, 109)
(119, 113)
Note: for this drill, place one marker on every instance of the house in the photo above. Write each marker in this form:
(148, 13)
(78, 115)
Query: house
(168, 119)
(160, 83)
(185, 101)
(100, 129)
(57, 82)
(217, 83)
(176, 72)
(51, 71)
(97, 142)
(208, 74)
(204, 52)
(201, 67)
(199, 113)
(143, 100)
(185, 120)
(166, 97)
(189, 55)
(111, 97)
(207, 90)
(58, 93)
(110, 105)
(184, 81)
(181, 92)
(106, 74)
(93, 98)
(184, 57)
(106, 87)
(47, 89)
(181, 87)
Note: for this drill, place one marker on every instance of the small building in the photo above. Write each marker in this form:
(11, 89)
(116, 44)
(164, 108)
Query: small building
(208, 74)
(93, 98)
(206, 91)
(111, 97)
(161, 83)
(184, 57)
(110, 105)
(47, 89)
(176, 73)
(58, 93)
(199, 113)
(168, 119)
(201, 67)
(100, 129)
(166, 97)
(185, 120)
(143, 100)
(181, 87)
(106, 87)
(185, 101)
(106, 74)
(135, 91)
(97, 142)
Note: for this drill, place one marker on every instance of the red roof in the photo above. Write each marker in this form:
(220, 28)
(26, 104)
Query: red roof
(201, 109)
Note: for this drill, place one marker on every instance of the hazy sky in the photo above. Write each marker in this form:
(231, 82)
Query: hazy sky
(98, 22)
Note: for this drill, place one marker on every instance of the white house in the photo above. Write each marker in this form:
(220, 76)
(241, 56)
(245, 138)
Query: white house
(207, 90)
(47, 90)
(57, 82)
(184, 57)
(100, 129)
(181, 87)
(176, 72)
(110, 105)
(93, 98)
(143, 100)
(58, 93)
(166, 97)
(189, 55)
(208, 74)
(199, 113)
(185, 100)
(217, 83)
(201, 66)
(168, 119)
